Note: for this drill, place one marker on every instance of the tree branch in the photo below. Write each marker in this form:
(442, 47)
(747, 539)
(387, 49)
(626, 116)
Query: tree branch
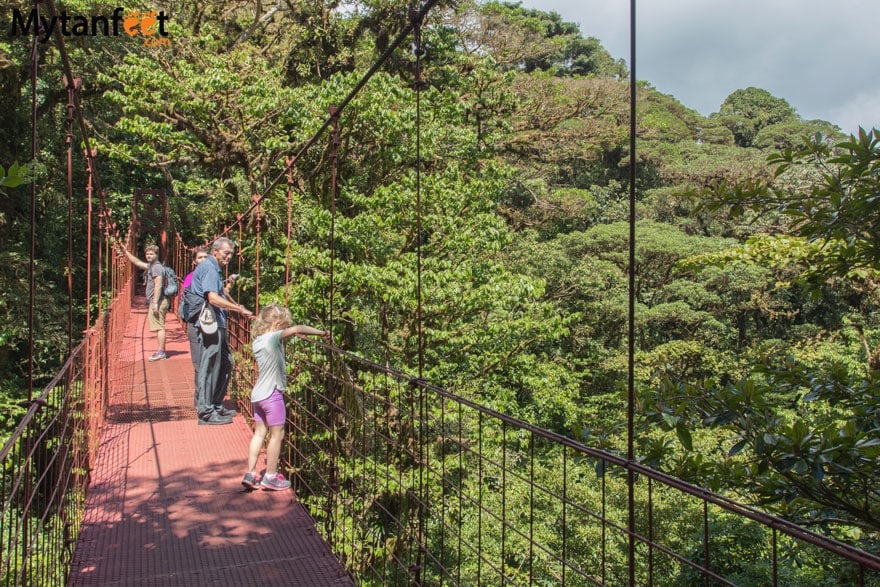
(263, 20)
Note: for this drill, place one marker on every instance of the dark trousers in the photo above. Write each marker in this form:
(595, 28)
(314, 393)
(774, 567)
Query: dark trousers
(195, 353)
(215, 367)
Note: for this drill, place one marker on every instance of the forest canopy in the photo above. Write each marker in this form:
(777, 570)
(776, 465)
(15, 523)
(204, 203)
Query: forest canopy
(756, 258)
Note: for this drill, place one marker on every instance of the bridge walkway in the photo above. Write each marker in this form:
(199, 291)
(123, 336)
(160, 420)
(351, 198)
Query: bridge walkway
(165, 506)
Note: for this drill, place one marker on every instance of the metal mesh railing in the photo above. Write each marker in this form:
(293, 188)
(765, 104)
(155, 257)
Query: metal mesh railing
(48, 458)
(411, 484)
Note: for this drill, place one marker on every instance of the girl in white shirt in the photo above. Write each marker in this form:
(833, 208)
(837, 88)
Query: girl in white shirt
(270, 329)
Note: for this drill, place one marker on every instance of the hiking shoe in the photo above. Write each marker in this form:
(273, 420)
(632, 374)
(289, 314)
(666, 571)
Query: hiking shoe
(215, 419)
(224, 411)
(250, 481)
(279, 483)
(158, 356)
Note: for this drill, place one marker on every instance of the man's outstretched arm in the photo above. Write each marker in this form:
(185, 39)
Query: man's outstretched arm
(134, 260)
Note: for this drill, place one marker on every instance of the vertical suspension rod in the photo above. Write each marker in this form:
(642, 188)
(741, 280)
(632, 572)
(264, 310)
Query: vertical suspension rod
(419, 85)
(65, 62)
(631, 318)
(101, 229)
(89, 189)
(289, 162)
(258, 218)
(238, 254)
(334, 167)
(38, 30)
(415, 18)
(73, 86)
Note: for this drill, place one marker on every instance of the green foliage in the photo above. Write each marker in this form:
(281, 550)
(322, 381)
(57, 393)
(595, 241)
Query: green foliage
(793, 134)
(534, 40)
(15, 176)
(199, 121)
(740, 552)
(751, 291)
(839, 212)
(522, 252)
(813, 460)
(746, 112)
(801, 430)
(827, 195)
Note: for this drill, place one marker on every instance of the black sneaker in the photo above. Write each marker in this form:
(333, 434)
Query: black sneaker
(215, 419)
(224, 411)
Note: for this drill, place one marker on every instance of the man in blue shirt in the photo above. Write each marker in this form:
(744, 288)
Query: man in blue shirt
(215, 362)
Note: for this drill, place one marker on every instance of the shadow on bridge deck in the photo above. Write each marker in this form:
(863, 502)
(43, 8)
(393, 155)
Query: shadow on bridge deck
(165, 505)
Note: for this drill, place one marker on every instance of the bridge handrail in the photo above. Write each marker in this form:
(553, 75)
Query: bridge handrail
(781, 524)
(48, 456)
(316, 413)
(40, 401)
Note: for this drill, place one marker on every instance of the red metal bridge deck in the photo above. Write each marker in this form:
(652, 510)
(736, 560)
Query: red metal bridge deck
(165, 505)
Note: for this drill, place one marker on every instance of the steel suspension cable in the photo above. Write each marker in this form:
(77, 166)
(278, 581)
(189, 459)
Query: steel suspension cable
(94, 180)
(334, 166)
(101, 240)
(72, 87)
(397, 42)
(418, 83)
(332, 121)
(239, 255)
(631, 313)
(89, 190)
(258, 218)
(33, 251)
(83, 128)
(331, 391)
(289, 163)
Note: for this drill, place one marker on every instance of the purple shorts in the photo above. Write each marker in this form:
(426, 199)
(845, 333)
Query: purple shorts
(271, 411)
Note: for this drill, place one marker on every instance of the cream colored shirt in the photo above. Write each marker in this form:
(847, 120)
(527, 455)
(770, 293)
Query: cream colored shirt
(271, 368)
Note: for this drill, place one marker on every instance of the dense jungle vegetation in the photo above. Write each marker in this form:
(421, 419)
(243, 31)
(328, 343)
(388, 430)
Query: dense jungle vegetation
(757, 287)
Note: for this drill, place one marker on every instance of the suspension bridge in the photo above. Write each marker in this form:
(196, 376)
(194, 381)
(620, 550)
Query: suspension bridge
(108, 480)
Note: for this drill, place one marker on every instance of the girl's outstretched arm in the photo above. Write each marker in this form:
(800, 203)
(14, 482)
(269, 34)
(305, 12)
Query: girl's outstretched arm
(307, 330)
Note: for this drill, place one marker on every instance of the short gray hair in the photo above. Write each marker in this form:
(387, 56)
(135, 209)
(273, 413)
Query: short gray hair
(221, 242)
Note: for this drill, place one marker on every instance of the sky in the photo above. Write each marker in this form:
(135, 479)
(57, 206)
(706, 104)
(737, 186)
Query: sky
(821, 56)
